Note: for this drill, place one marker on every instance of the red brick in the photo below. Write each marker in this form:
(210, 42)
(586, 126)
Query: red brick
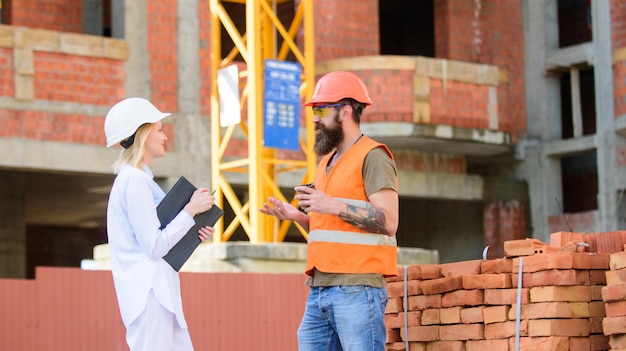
(499, 265)
(558, 327)
(472, 315)
(394, 305)
(446, 346)
(596, 292)
(431, 316)
(617, 260)
(614, 325)
(441, 285)
(595, 325)
(396, 289)
(598, 342)
(617, 341)
(599, 261)
(552, 277)
(597, 309)
(615, 308)
(579, 344)
(609, 242)
(560, 239)
(505, 296)
(580, 309)
(614, 293)
(461, 268)
(422, 333)
(423, 302)
(396, 320)
(522, 247)
(536, 263)
(430, 271)
(462, 298)
(494, 314)
(616, 277)
(542, 310)
(505, 330)
(462, 332)
(484, 345)
(597, 277)
(487, 281)
(451, 315)
(560, 293)
(551, 343)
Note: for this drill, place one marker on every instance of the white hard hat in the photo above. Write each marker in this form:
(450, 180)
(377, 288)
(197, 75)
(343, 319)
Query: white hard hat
(126, 116)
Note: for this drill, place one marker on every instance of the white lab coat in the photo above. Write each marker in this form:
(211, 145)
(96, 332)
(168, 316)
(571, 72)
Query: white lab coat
(137, 245)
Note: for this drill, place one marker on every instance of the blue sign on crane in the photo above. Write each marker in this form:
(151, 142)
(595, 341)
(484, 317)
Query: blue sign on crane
(281, 104)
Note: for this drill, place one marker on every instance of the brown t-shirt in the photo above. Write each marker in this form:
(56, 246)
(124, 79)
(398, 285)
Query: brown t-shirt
(379, 172)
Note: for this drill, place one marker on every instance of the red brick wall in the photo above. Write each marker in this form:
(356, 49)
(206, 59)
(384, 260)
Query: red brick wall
(346, 28)
(618, 24)
(6, 72)
(618, 37)
(489, 32)
(78, 79)
(430, 162)
(204, 54)
(161, 18)
(503, 221)
(391, 93)
(59, 15)
(459, 104)
(60, 127)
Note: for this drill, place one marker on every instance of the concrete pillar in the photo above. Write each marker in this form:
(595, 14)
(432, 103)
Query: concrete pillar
(12, 225)
(543, 109)
(138, 77)
(605, 121)
(543, 112)
(192, 130)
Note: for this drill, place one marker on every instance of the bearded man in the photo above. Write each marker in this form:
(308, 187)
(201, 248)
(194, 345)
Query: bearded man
(351, 214)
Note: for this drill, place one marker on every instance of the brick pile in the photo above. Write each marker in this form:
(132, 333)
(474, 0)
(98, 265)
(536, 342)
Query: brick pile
(572, 297)
(614, 297)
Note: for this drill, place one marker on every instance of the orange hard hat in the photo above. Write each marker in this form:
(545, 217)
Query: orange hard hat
(338, 85)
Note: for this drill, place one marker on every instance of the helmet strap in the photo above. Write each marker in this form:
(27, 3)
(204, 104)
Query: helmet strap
(128, 142)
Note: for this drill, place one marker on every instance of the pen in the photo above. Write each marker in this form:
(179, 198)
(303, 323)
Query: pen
(213, 192)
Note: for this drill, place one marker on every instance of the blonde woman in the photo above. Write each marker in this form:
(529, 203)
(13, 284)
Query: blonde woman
(147, 288)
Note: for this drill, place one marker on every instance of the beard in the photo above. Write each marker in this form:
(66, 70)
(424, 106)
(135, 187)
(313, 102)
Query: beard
(327, 138)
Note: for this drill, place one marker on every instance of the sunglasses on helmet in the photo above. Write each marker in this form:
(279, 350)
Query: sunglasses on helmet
(322, 111)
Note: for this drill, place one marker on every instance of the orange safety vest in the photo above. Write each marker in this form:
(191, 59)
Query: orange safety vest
(335, 246)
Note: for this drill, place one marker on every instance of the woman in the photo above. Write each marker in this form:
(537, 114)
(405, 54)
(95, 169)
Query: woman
(148, 289)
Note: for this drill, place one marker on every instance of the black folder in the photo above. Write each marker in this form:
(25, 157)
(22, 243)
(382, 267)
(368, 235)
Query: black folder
(174, 202)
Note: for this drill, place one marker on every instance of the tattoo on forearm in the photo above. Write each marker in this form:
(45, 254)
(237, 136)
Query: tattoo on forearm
(372, 220)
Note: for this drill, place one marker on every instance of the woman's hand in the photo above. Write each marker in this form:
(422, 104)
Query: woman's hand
(205, 233)
(201, 201)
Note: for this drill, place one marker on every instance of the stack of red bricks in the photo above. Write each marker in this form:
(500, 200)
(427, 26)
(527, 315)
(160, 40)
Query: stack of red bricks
(614, 296)
(474, 305)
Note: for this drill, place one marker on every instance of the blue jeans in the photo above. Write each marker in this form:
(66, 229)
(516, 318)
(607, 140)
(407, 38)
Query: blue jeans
(345, 318)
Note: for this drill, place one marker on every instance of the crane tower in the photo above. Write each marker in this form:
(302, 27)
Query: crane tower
(264, 38)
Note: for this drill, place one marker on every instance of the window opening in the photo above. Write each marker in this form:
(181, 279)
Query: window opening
(578, 105)
(579, 176)
(407, 28)
(574, 17)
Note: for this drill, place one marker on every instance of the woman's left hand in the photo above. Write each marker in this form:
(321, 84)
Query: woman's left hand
(205, 233)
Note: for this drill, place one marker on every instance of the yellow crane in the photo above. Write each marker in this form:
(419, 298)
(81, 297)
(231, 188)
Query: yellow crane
(265, 38)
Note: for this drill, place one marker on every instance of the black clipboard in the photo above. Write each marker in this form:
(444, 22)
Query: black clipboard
(174, 202)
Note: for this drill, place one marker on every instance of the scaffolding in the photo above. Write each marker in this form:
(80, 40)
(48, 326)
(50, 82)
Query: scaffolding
(265, 38)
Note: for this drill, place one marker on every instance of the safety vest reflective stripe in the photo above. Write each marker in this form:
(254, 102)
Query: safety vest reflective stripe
(333, 236)
(341, 257)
